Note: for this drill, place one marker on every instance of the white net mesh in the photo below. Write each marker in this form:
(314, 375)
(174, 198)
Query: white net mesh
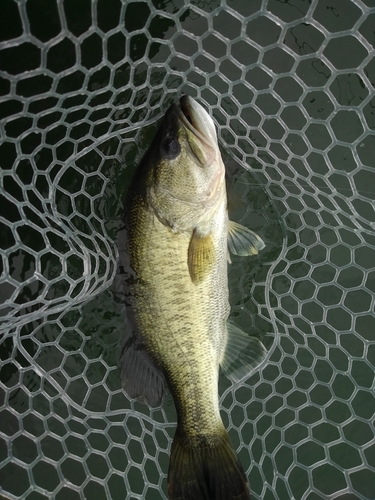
(290, 85)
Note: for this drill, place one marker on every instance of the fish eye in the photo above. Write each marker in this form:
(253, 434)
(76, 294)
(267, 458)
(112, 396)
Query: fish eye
(170, 147)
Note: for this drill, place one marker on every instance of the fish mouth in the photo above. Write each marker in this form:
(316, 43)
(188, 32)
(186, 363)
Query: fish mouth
(195, 118)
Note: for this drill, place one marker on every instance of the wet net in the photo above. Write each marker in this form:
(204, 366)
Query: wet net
(290, 86)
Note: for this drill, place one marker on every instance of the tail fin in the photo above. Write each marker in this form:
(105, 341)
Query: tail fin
(206, 468)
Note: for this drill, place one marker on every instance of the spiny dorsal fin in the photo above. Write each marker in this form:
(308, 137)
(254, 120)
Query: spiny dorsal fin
(243, 353)
(201, 256)
(243, 241)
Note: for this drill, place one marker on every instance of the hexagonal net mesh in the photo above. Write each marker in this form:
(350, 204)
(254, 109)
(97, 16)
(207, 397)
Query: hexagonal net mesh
(290, 86)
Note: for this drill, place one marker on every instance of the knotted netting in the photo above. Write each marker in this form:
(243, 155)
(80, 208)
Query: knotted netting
(290, 86)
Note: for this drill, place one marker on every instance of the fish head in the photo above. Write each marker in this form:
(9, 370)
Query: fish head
(187, 175)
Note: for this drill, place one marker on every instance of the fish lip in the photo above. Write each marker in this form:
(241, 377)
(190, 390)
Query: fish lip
(195, 118)
(199, 122)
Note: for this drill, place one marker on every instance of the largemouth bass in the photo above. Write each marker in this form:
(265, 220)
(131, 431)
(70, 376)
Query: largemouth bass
(177, 239)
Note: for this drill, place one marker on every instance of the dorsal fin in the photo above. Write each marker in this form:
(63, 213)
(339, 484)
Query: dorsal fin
(141, 379)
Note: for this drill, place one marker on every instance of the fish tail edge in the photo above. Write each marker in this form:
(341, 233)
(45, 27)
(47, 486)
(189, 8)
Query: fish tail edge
(206, 467)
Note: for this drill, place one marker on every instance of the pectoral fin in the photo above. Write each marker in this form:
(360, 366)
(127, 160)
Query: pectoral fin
(242, 241)
(201, 256)
(243, 353)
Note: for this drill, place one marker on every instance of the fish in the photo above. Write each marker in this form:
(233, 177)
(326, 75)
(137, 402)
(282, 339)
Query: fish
(176, 251)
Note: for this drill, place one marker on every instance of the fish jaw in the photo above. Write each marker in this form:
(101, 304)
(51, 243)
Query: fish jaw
(197, 121)
(202, 123)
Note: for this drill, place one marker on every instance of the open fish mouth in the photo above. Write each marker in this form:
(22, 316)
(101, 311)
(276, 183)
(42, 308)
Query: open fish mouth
(195, 118)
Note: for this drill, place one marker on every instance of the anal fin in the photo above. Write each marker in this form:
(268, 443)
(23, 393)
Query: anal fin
(243, 353)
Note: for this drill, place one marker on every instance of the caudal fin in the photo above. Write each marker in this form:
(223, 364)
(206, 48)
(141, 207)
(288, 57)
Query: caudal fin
(206, 468)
